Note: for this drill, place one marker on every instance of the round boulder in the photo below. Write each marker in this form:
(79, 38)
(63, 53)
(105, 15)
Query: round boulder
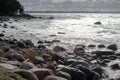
(54, 78)
(27, 65)
(38, 60)
(26, 74)
(59, 49)
(41, 73)
(75, 73)
(13, 55)
(113, 47)
(64, 75)
(115, 67)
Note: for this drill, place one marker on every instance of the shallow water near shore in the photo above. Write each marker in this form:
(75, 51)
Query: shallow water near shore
(72, 28)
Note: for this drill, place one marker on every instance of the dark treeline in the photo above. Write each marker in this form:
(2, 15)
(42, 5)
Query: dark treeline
(10, 8)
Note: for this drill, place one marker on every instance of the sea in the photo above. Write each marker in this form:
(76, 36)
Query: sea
(70, 28)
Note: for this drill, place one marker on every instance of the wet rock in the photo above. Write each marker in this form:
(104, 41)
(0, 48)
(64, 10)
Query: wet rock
(12, 42)
(30, 53)
(70, 61)
(41, 73)
(112, 57)
(101, 72)
(40, 42)
(79, 51)
(14, 63)
(61, 33)
(27, 65)
(26, 74)
(5, 26)
(12, 27)
(28, 43)
(115, 67)
(20, 57)
(50, 17)
(91, 46)
(54, 78)
(104, 57)
(1, 35)
(90, 75)
(13, 55)
(53, 35)
(102, 52)
(38, 60)
(41, 47)
(81, 46)
(103, 63)
(8, 66)
(106, 60)
(64, 75)
(2, 53)
(48, 51)
(113, 47)
(51, 65)
(75, 73)
(3, 59)
(49, 42)
(80, 62)
(9, 75)
(98, 23)
(21, 44)
(58, 57)
(47, 57)
(55, 41)
(117, 54)
(101, 46)
(1, 39)
(59, 49)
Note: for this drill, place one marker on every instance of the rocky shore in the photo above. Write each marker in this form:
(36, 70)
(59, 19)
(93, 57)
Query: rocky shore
(22, 60)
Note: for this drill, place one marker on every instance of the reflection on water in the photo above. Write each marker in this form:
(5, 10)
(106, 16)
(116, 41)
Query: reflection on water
(78, 27)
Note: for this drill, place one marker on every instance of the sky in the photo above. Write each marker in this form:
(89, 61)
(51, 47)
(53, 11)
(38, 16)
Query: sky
(71, 5)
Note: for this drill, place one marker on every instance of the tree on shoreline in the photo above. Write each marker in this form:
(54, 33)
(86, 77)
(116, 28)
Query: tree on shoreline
(10, 8)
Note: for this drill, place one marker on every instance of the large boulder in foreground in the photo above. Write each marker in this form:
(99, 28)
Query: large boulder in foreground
(54, 78)
(8, 75)
(26, 74)
(64, 75)
(41, 73)
(102, 72)
(75, 73)
(90, 75)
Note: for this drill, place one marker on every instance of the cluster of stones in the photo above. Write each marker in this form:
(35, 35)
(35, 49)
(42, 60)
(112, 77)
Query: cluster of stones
(41, 63)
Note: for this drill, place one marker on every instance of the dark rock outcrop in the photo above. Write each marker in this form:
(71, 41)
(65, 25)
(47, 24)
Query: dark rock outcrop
(75, 73)
(41, 73)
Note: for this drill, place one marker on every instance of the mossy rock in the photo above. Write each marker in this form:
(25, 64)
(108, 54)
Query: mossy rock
(8, 75)
(2, 53)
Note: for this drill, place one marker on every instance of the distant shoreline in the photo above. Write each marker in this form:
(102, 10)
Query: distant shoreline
(65, 12)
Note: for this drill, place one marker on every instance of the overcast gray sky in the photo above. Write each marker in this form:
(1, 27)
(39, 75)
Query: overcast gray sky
(71, 5)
